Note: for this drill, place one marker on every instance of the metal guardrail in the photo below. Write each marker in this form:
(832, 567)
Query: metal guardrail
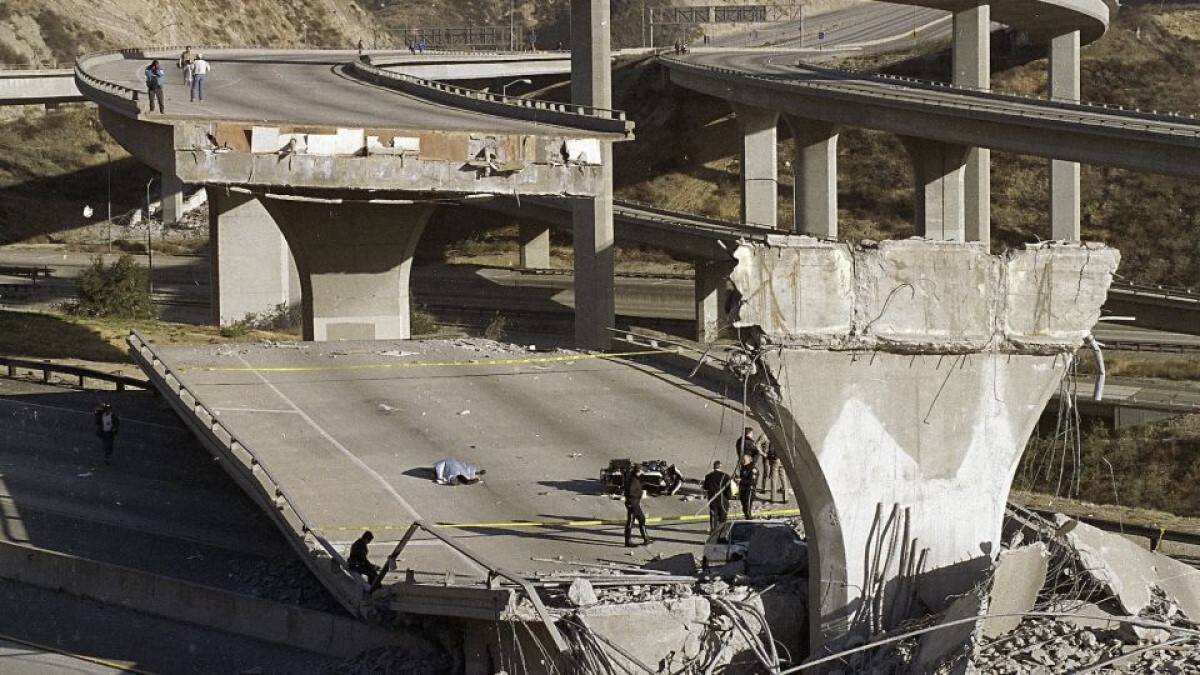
(548, 112)
(14, 366)
(987, 100)
(259, 480)
(1184, 295)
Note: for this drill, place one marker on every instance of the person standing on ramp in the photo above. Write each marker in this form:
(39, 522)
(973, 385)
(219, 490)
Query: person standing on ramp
(633, 507)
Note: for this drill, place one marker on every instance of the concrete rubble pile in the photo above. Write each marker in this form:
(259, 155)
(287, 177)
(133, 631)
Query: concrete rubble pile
(1063, 597)
(287, 580)
(392, 661)
(667, 620)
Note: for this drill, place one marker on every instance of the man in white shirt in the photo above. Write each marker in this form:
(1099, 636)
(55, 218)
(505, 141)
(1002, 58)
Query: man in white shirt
(200, 70)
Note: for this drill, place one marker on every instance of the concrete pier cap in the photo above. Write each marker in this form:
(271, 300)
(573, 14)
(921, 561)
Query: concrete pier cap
(900, 381)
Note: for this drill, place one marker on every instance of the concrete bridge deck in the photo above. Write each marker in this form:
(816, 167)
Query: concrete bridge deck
(349, 431)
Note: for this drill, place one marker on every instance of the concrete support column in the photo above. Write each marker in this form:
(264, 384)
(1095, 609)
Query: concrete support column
(535, 245)
(900, 383)
(592, 218)
(973, 68)
(354, 260)
(595, 266)
(251, 267)
(939, 171)
(814, 166)
(712, 282)
(760, 172)
(172, 198)
(1065, 222)
(880, 450)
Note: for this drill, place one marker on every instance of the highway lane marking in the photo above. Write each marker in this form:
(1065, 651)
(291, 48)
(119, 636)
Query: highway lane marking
(428, 364)
(122, 666)
(500, 525)
(353, 459)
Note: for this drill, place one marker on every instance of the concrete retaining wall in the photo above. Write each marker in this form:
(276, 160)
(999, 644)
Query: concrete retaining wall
(177, 600)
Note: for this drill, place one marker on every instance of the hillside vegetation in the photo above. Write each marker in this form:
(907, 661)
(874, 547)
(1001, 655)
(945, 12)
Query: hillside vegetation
(46, 31)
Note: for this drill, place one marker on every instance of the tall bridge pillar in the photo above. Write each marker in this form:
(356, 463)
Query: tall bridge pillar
(592, 218)
(712, 278)
(939, 171)
(760, 173)
(814, 164)
(354, 260)
(973, 68)
(900, 383)
(252, 270)
(1064, 176)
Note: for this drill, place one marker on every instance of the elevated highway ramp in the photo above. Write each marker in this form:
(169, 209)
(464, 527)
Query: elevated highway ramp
(333, 439)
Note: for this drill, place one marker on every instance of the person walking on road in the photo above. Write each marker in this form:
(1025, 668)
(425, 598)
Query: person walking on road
(186, 59)
(200, 71)
(107, 424)
(633, 507)
(717, 491)
(155, 76)
(747, 477)
(358, 561)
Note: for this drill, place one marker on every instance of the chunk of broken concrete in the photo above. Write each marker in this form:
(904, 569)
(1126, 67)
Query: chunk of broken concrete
(1129, 571)
(1019, 575)
(581, 593)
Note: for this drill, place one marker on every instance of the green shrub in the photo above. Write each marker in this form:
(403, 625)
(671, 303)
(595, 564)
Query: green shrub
(497, 328)
(422, 323)
(237, 329)
(120, 290)
(280, 317)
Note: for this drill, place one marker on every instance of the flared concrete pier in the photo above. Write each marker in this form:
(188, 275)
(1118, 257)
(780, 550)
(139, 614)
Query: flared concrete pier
(901, 382)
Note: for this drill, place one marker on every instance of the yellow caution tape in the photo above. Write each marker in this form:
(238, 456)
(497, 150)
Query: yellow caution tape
(500, 525)
(433, 364)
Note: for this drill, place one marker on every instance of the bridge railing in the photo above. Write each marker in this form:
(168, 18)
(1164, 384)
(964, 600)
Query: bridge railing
(582, 117)
(117, 96)
(1185, 295)
(15, 366)
(983, 100)
(255, 477)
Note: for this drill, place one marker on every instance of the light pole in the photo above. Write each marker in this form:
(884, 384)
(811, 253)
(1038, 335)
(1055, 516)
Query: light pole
(523, 80)
(512, 11)
(108, 177)
(149, 242)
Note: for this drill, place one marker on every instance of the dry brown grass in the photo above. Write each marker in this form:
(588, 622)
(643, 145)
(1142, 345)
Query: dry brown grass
(58, 336)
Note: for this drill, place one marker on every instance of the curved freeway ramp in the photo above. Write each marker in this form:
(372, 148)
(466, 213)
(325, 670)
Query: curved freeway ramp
(331, 120)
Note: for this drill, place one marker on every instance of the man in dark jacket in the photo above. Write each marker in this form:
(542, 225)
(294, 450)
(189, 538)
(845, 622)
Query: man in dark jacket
(155, 77)
(633, 506)
(107, 424)
(358, 562)
(747, 477)
(718, 492)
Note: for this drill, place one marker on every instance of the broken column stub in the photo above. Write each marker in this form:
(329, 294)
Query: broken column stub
(921, 296)
(901, 381)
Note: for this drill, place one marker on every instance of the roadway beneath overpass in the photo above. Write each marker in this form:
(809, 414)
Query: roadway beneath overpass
(352, 429)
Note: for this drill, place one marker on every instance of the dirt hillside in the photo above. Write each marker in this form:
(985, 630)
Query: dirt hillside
(41, 31)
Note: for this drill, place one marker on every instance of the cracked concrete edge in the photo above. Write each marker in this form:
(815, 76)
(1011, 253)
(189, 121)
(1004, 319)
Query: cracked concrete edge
(918, 296)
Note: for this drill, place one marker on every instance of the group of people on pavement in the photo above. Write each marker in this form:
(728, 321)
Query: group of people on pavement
(195, 71)
(719, 486)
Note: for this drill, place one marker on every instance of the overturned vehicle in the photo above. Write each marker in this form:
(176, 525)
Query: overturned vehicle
(658, 476)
